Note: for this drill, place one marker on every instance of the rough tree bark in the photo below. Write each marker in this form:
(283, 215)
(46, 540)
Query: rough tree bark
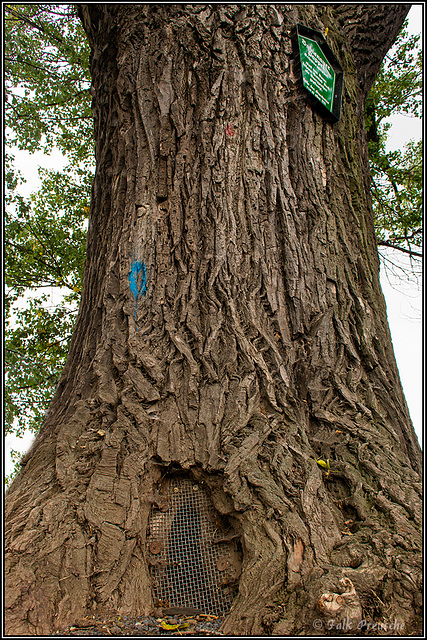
(231, 323)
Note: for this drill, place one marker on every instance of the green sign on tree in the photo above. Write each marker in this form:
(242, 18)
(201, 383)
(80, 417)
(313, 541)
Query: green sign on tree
(321, 73)
(317, 74)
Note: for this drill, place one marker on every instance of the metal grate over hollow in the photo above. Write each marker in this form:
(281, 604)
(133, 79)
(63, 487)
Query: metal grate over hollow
(189, 566)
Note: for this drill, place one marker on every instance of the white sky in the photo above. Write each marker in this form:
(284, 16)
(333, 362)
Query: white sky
(404, 300)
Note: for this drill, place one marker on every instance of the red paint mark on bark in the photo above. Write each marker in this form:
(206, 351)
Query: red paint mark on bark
(229, 130)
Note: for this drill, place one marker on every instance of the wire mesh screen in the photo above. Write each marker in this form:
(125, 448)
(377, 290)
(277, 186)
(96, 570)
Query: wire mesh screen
(190, 566)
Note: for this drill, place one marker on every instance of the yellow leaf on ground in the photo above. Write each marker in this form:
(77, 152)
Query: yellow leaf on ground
(323, 464)
(173, 627)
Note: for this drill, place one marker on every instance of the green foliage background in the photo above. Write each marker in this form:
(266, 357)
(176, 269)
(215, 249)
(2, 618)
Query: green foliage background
(47, 106)
(397, 175)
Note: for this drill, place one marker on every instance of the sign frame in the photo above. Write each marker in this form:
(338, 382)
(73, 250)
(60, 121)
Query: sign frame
(329, 108)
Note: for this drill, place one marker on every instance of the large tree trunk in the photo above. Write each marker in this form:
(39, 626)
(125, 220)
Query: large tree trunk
(232, 326)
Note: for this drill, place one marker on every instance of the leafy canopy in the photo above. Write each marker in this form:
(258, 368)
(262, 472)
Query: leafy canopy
(396, 175)
(47, 106)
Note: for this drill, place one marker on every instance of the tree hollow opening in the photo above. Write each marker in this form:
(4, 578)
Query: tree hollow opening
(193, 556)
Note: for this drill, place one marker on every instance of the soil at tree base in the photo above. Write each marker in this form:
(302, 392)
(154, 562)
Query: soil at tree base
(198, 625)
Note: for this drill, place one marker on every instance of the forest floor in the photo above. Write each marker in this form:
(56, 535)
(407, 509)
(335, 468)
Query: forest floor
(174, 624)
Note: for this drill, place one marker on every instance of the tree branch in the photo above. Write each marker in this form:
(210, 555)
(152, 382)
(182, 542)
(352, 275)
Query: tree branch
(370, 30)
(386, 243)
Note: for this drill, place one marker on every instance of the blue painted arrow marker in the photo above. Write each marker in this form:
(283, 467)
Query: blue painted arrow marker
(138, 281)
